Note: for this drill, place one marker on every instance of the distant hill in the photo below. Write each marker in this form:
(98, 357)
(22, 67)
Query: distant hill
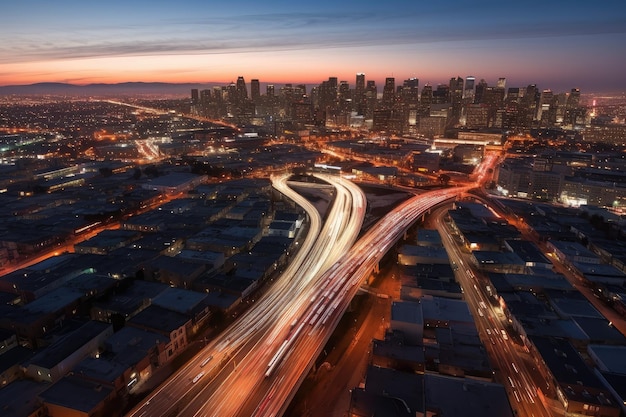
(129, 88)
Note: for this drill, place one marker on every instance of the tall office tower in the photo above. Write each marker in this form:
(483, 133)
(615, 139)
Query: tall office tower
(205, 96)
(286, 95)
(344, 97)
(270, 90)
(574, 113)
(441, 94)
(344, 90)
(456, 100)
(328, 94)
(512, 95)
(231, 93)
(468, 91)
(545, 100)
(371, 87)
(300, 90)
(426, 100)
(479, 94)
(195, 101)
(371, 96)
(314, 94)
(561, 107)
(501, 88)
(359, 102)
(218, 101)
(205, 101)
(528, 105)
(389, 92)
(510, 118)
(493, 98)
(242, 90)
(255, 90)
(410, 92)
(456, 89)
(573, 100)
(218, 93)
(360, 82)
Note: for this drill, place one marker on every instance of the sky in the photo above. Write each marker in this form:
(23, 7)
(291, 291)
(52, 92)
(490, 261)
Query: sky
(556, 44)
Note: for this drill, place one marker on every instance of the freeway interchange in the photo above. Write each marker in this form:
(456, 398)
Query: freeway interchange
(255, 367)
(227, 383)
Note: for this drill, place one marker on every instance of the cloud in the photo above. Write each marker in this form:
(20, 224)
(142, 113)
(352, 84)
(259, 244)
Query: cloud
(285, 32)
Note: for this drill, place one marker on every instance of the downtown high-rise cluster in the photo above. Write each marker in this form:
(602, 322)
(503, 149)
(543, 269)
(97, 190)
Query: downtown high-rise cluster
(403, 109)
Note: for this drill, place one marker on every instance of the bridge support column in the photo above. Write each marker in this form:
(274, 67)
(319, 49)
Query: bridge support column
(377, 268)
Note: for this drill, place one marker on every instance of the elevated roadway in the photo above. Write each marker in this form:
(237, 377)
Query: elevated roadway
(224, 377)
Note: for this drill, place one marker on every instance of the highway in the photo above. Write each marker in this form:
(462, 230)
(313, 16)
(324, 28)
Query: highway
(225, 376)
(335, 290)
(256, 366)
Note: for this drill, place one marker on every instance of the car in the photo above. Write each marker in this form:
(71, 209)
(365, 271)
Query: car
(197, 377)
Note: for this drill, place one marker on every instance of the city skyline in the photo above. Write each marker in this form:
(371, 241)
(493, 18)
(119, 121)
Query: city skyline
(555, 45)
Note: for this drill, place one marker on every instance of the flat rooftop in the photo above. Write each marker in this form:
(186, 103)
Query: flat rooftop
(76, 393)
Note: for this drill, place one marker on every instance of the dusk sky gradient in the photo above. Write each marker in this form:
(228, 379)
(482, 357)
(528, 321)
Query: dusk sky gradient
(556, 44)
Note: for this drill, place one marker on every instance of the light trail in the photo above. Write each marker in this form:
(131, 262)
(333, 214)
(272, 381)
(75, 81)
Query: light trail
(245, 343)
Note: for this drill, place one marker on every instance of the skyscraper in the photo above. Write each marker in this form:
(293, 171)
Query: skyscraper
(359, 102)
(426, 100)
(410, 92)
(195, 100)
(371, 94)
(255, 90)
(456, 100)
(468, 92)
(242, 90)
(389, 92)
(479, 94)
(360, 82)
(528, 105)
(328, 93)
(545, 101)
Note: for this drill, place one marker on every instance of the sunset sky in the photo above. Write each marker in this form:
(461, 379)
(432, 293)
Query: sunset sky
(556, 44)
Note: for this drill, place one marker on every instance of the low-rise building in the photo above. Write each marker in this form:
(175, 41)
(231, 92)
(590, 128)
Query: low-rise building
(175, 183)
(175, 326)
(75, 396)
(578, 389)
(503, 262)
(407, 317)
(572, 252)
(56, 360)
(413, 255)
(20, 399)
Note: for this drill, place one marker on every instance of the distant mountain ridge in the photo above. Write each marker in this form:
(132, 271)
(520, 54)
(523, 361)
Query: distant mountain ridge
(126, 88)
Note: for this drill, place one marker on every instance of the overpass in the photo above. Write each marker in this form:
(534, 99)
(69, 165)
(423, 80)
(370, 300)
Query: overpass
(257, 365)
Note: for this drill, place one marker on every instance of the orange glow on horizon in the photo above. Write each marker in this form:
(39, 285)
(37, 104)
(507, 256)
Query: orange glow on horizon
(297, 67)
